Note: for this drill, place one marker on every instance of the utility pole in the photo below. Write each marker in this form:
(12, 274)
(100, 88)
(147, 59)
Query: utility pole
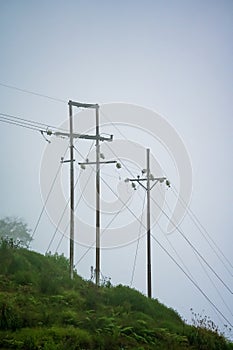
(148, 224)
(98, 163)
(71, 193)
(97, 198)
(98, 138)
(149, 177)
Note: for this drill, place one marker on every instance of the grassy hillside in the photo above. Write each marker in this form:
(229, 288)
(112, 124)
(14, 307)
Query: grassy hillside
(41, 308)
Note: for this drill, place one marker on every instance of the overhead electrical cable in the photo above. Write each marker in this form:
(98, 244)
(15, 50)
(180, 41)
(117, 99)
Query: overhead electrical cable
(138, 240)
(194, 248)
(34, 127)
(197, 286)
(32, 92)
(214, 286)
(112, 219)
(48, 195)
(101, 235)
(214, 272)
(3, 120)
(170, 243)
(201, 264)
(63, 213)
(201, 228)
(193, 282)
(76, 206)
(28, 123)
(186, 207)
(179, 230)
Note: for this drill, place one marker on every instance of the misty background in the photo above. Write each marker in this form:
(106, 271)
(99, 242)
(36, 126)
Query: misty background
(173, 57)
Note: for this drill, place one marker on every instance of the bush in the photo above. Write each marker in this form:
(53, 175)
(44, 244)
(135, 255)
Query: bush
(9, 319)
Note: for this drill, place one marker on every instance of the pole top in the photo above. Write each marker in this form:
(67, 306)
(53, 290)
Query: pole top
(83, 105)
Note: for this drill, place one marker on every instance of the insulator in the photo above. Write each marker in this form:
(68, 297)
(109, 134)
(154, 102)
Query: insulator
(83, 166)
(152, 177)
(118, 165)
(168, 183)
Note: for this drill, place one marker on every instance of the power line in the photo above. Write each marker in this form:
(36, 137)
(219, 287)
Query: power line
(136, 251)
(35, 126)
(26, 121)
(103, 231)
(207, 298)
(15, 120)
(63, 213)
(195, 249)
(32, 92)
(4, 120)
(173, 223)
(200, 262)
(205, 262)
(193, 282)
(193, 217)
(124, 204)
(52, 239)
(47, 198)
(76, 206)
(210, 267)
(186, 207)
(214, 285)
(170, 243)
(111, 221)
(31, 125)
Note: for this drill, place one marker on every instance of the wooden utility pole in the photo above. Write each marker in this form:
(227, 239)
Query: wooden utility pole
(97, 163)
(98, 138)
(71, 193)
(97, 197)
(148, 224)
(149, 177)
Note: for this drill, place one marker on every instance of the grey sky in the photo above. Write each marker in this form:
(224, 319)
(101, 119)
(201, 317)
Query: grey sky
(174, 57)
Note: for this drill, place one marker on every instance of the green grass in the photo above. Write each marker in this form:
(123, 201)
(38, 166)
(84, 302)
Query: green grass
(41, 308)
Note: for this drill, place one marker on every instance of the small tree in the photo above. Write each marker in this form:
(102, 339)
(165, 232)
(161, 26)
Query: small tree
(15, 230)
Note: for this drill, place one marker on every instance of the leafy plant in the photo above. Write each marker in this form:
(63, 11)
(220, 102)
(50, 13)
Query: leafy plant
(15, 231)
(42, 309)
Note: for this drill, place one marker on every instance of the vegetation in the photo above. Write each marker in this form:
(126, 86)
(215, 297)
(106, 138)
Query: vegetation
(15, 230)
(41, 308)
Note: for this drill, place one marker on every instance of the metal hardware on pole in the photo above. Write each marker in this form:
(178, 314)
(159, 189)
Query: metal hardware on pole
(148, 189)
(98, 138)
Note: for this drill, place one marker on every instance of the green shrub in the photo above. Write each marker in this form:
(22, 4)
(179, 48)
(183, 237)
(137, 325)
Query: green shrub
(8, 318)
(69, 318)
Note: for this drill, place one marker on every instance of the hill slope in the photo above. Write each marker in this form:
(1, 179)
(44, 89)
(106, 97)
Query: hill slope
(41, 308)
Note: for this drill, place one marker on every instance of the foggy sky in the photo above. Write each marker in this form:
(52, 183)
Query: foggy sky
(174, 57)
